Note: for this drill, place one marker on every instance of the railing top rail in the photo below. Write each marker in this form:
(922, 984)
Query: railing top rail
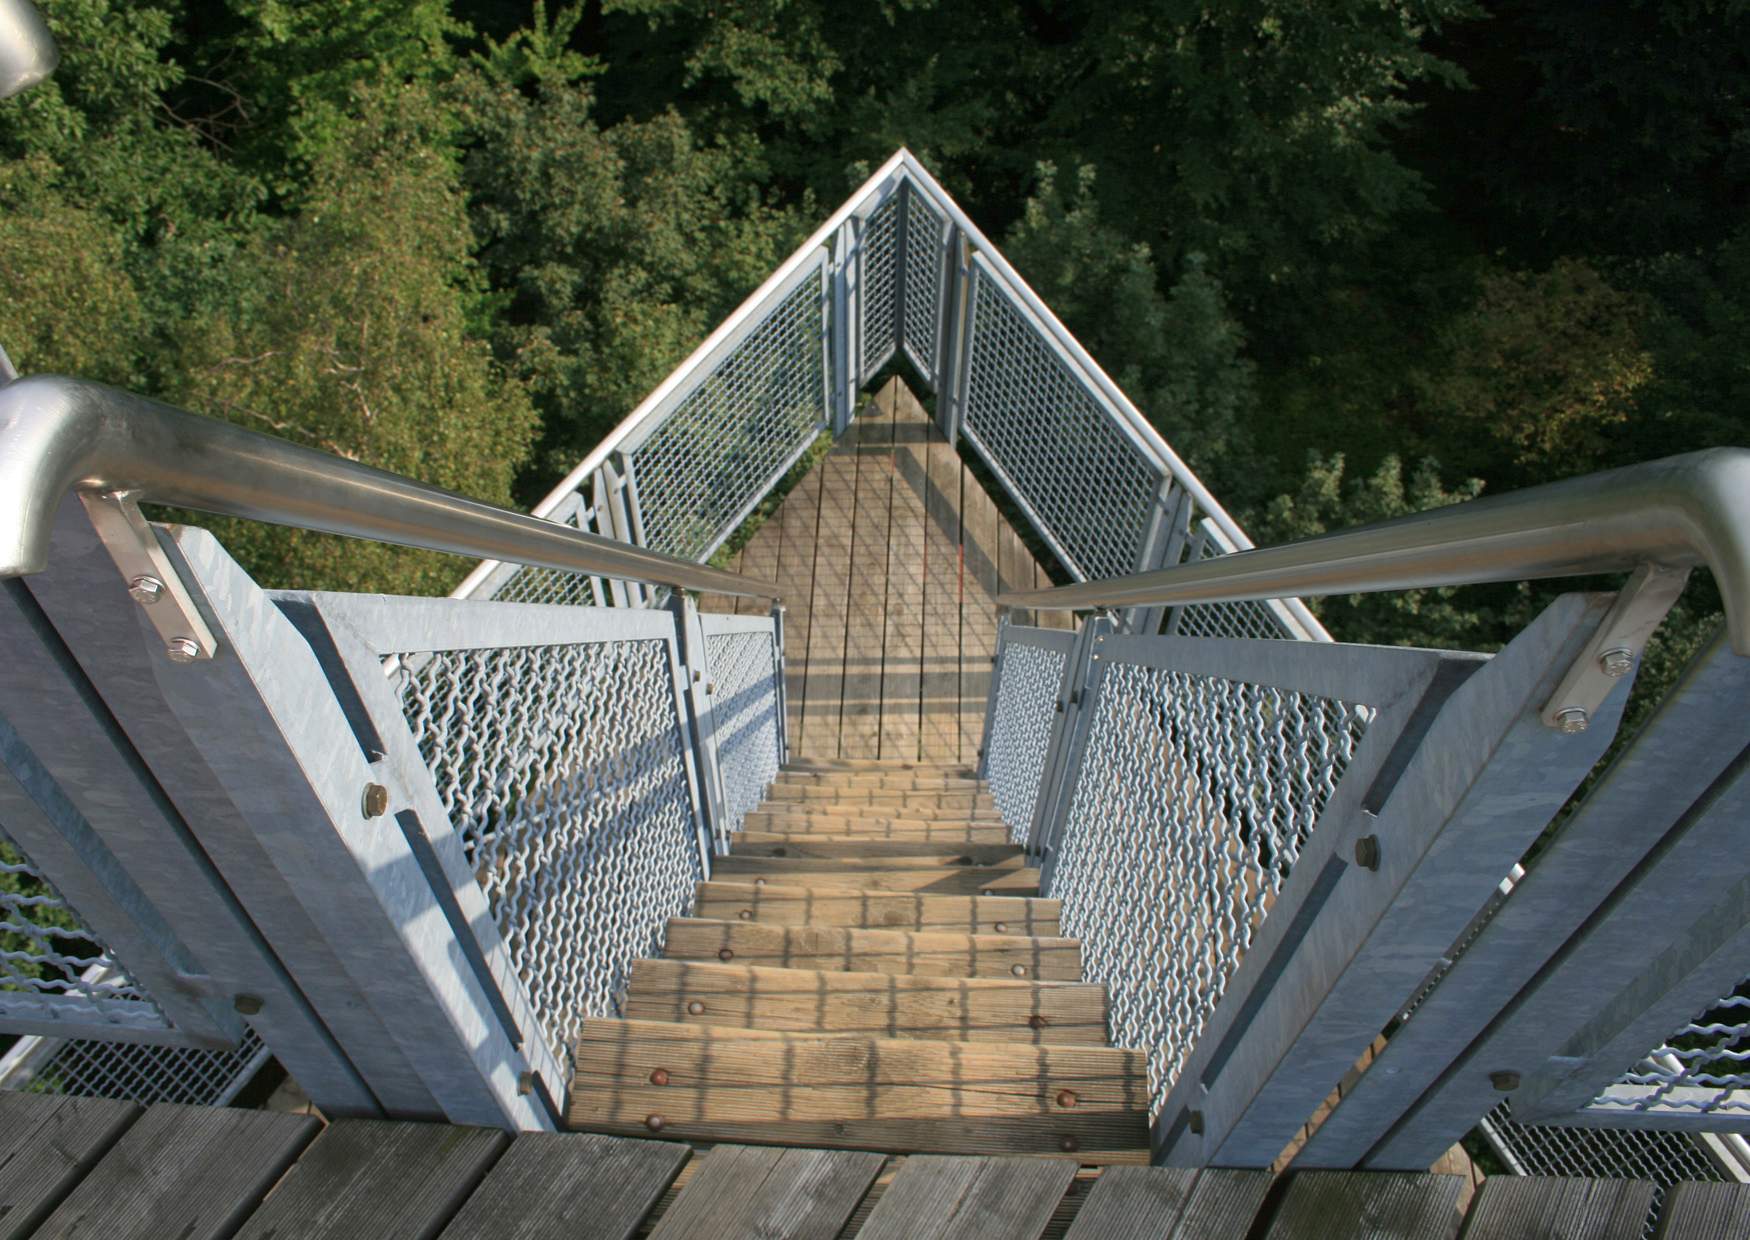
(1677, 512)
(59, 434)
(27, 50)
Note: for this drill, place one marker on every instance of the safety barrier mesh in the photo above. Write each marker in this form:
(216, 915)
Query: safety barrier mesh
(562, 770)
(1020, 731)
(1062, 453)
(926, 234)
(729, 439)
(1194, 800)
(744, 713)
(1245, 619)
(530, 584)
(147, 1074)
(1703, 1068)
(878, 290)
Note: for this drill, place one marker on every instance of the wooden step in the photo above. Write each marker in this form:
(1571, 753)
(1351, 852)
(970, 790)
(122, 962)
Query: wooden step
(913, 853)
(876, 1005)
(876, 827)
(799, 906)
(905, 953)
(899, 1096)
(946, 880)
(866, 782)
(878, 765)
(854, 862)
(910, 798)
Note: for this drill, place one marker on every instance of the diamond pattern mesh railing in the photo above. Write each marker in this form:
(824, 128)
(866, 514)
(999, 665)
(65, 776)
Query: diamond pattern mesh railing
(1703, 1068)
(1244, 619)
(926, 238)
(732, 436)
(1194, 799)
(562, 771)
(744, 670)
(1031, 676)
(532, 584)
(878, 293)
(86, 1068)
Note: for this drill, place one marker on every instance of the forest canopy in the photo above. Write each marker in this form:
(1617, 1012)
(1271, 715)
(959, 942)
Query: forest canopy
(1354, 257)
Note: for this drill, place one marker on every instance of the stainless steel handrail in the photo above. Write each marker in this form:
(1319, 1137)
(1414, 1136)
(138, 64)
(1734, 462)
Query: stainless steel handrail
(59, 434)
(27, 49)
(1678, 512)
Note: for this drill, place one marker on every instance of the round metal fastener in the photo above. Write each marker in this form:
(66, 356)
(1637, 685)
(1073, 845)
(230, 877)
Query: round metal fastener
(759, 882)
(246, 1005)
(1067, 1098)
(1505, 1082)
(727, 953)
(1019, 970)
(525, 1083)
(1069, 1145)
(1617, 662)
(1367, 852)
(746, 914)
(1002, 927)
(146, 589)
(182, 649)
(374, 801)
(1036, 1021)
(1572, 719)
(653, 1122)
(1195, 1122)
(695, 1008)
(659, 1077)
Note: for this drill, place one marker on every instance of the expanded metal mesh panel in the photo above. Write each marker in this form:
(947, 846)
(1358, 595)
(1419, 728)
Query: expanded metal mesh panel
(1020, 732)
(926, 234)
(1703, 1068)
(1065, 458)
(1665, 1158)
(51, 964)
(562, 770)
(725, 444)
(745, 716)
(547, 585)
(148, 1074)
(878, 291)
(1194, 800)
(1247, 619)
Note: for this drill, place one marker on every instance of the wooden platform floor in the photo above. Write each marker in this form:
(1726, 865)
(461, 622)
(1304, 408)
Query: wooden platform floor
(891, 555)
(78, 1167)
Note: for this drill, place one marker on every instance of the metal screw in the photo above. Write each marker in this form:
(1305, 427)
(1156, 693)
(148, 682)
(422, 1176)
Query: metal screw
(1505, 1082)
(746, 914)
(1617, 662)
(710, 687)
(1367, 852)
(1069, 1145)
(1002, 927)
(759, 882)
(727, 953)
(1195, 1123)
(653, 1122)
(1572, 719)
(659, 1077)
(525, 1083)
(182, 649)
(1019, 970)
(695, 1008)
(246, 1005)
(146, 590)
(1067, 1098)
(375, 801)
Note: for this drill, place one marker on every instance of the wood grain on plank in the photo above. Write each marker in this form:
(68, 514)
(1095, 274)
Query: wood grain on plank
(700, 1083)
(981, 524)
(1134, 1203)
(829, 600)
(1705, 1212)
(743, 1192)
(936, 765)
(866, 617)
(800, 515)
(875, 910)
(194, 1173)
(577, 1185)
(1401, 1206)
(882, 1005)
(913, 798)
(833, 825)
(942, 705)
(903, 645)
(828, 875)
(380, 1178)
(915, 855)
(1532, 1207)
(875, 951)
(47, 1144)
(935, 1198)
(1223, 1204)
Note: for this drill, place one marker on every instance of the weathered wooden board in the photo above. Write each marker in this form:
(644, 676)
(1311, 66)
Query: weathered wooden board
(377, 1178)
(881, 1005)
(709, 1084)
(769, 823)
(903, 648)
(942, 705)
(875, 951)
(938, 880)
(759, 559)
(577, 1185)
(1532, 1207)
(1705, 1212)
(1400, 1205)
(193, 1173)
(914, 855)
(47, 1144)
(829, 602)
(978, 613)
(858, 797)
(1134, 1203)
(744, 1192)
(1223, 1204)
(866, 627)
(792, 906)
(800, 517)
(878, 765)
(935, 1198)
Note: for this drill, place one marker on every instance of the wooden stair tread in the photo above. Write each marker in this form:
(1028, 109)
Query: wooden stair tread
(872, 1004)
(917, 780)
(939, 880)
(914, 853)
(799, 906)
(911, 798)
(743, 860)
(873, 764)
(910, 829)
(926, 954)
(860, 1093)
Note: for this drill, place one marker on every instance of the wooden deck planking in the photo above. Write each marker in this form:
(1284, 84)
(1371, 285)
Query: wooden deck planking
(743, 1190)
(871, 550)
(949, 1198)
(799, 515)
(982, 548)
(573, 1184)
(47, 1145)
(902, 654)
(1402, 1206)
(829, 587)
(760, 559)
(1519, 1206)
(940, 681)
(852, 949)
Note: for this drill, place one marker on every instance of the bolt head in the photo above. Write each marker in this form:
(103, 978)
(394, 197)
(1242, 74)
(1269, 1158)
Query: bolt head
(695, 1008)
(146, 590)
(1367, 852)
(1505, 1082)
(1196, 1122)
(375, 801)
(1069, 1145)
(1067, 1098)
(525, 1083)
(1571, 720)
(1617, 663)
(659, 1077)
(653, 1122)
(1019, 970)
(182, 649)
(246, 1005)
(1002, 927)
(726, 954)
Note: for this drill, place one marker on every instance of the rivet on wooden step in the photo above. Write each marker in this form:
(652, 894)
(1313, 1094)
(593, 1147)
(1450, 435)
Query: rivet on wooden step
(659, 1077)
(746, 914)
(1069, 1145)
(1036, 1021)
(695, 1008)
(1066, 1098)
(759, 882)
(728, 953)
(1019, 970)
(653, 1122)
(1002, 927)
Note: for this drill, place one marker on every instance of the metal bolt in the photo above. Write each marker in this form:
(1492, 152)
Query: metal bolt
(659, 1077)
(653, 1122)
(1036, 1021)
(1367, 852)
(710, 686)
(1617, 662)
(746, 914)
(759, 882)
(375, 801)
(1002, 927)
(525, 1083)
(1069, 1145)
(146, 590)
(182, 649)
(1019, 970)
(1066, 1098)
(246, 1005)
(1505, 1082)
(695, 1008)
(1572, 719)
(1195, 1122)
(728, 953)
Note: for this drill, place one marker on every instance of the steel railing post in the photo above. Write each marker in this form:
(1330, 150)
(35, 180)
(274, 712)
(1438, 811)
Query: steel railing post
(952, 353)
(1077, 699)
(780, 685)
(701, 732)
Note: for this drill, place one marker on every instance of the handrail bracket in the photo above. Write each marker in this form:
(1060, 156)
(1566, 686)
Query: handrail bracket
(152, 579)
(1640, 607)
